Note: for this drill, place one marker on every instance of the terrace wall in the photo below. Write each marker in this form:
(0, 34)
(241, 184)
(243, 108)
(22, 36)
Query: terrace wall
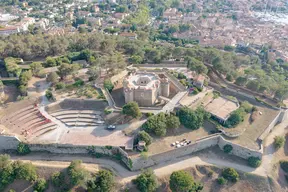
(11, 142)
(238, 150)
(279, 118)
(8, 142)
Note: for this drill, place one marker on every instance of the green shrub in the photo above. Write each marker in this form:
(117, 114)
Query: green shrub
(227, 148)
(254, 162)
(23, 149)
(144, 136)
(284, 166)
(60, 85)
(108, 147)
(49, 94)
(183, 181)
(149, 114)
(7, 175)
(279, 142)
(230, 174)
(146, 181)
(108, 111)
(132, 109)
(26, 171)
(11, 190)
(108, 85)
(40, 185)
(77, 173)
(57, 179)
(210, 173)
(78, 83)
(103, 181)
(221, 181)
(246, 106)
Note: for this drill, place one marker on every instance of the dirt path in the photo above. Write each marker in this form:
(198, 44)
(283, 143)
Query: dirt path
(124, 175)
(269, 150)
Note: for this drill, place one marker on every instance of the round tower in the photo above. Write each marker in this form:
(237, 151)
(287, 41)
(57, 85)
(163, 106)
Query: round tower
(165, 87)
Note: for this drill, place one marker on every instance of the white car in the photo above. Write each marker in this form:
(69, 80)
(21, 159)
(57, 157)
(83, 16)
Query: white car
(111, 127)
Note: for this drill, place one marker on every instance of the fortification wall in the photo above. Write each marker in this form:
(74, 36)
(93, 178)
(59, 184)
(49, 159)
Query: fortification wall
(8, 142)
(11, 142)
(284, 115)
(163, 65)
(277, 119)
(76, 104)
(140, 163)
(239, 150)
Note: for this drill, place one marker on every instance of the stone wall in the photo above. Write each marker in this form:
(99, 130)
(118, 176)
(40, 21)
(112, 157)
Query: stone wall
(166, 65)
(271, 126)
(11, 142)
(8, 142)
(238, 150)
(284, 115)
(140, 163)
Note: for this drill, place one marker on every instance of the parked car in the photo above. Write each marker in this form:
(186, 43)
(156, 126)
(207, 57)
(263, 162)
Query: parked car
(111, 127)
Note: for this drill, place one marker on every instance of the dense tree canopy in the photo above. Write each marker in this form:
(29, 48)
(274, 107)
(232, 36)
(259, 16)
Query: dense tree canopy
(102, 181)
(146, 181)
(158, 124)
(192, 119)
(182, 181)
(132, 109)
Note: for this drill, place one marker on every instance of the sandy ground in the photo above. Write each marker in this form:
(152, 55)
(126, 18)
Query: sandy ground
(272, 156)
(207, 157)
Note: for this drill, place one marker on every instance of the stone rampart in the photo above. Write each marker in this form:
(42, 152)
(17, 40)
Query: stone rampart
(166, 65)
(140, 163)
(238, 150)
(277, 119)
(11, 142)
(8, 142)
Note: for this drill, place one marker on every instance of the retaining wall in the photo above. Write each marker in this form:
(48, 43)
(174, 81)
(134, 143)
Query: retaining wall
(8, 142)
(238, 150)
(11, 142)
(278, 119)
(167, 65)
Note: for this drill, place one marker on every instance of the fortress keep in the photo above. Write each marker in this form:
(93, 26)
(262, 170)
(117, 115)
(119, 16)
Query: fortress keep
(145, 88)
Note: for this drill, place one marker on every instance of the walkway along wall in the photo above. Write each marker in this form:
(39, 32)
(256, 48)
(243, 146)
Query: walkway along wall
(11, 142)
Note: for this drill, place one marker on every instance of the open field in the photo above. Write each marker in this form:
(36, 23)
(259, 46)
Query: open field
(253, 130)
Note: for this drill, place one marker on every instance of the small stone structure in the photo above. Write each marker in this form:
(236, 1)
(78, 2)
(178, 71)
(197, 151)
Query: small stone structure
(221, 108)
(145, 88)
